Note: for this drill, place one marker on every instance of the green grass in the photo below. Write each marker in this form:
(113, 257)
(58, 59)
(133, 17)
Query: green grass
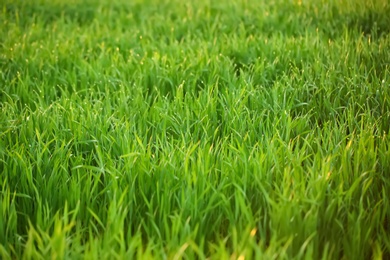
(210, 129)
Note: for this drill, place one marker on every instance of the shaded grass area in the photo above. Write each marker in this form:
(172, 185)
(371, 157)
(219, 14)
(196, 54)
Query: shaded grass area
(167, 129)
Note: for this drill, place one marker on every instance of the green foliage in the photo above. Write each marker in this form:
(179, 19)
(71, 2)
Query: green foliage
(210, 129)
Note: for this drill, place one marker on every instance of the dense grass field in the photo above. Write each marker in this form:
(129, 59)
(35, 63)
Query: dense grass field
(169, 129)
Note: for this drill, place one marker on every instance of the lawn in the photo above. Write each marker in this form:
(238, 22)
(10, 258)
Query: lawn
(166, 129)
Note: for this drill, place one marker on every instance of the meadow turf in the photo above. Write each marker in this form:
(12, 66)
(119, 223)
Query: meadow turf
(202, 129)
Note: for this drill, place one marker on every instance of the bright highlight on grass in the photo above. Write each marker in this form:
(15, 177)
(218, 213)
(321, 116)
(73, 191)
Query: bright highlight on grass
(208, 129)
